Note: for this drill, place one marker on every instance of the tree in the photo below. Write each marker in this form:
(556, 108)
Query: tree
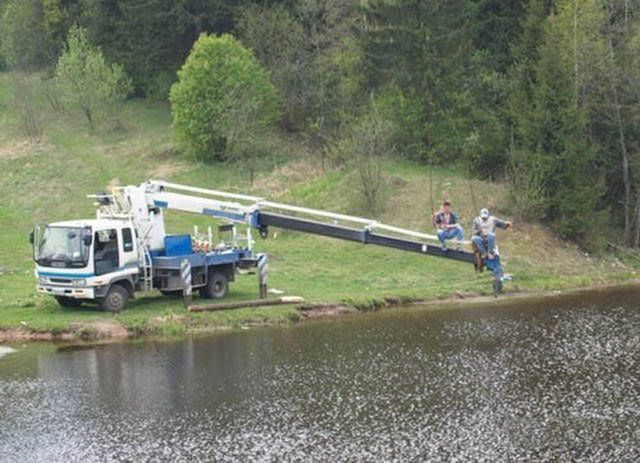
(315, 59)
(220, 89)
(278, 42)
(85, 80)
(556, 155)
(445, 56)
(24, 42)
(152, 38)
(366, 143)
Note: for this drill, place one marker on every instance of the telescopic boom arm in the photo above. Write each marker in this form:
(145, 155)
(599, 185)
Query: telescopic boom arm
(261, 214)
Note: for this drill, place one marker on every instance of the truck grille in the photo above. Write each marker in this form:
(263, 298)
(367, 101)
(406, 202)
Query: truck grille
(60, 281)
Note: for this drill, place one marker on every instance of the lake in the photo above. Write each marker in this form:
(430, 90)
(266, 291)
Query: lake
(543, 379)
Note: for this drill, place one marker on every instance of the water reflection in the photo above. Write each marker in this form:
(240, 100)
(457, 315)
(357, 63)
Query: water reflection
(498, 383)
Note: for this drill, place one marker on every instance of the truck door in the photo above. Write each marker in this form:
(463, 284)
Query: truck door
(106, 252)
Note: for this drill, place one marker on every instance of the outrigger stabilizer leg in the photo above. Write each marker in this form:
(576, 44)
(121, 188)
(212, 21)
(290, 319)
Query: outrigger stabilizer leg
(493, 265)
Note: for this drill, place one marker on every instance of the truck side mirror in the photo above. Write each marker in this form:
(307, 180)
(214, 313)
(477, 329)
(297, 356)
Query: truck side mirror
(86, 240)
(34, 239)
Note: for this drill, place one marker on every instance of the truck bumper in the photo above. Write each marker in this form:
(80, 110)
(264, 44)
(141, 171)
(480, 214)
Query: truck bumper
(77, 293)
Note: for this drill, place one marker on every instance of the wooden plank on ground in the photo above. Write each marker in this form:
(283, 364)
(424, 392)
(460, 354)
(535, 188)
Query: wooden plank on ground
(242, 304)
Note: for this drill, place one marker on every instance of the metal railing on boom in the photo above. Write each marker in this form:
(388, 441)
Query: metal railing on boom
(262, 204)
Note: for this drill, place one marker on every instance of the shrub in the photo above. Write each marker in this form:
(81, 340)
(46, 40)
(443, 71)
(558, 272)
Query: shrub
(86, 82)
(367, 142)
(222, 96)
(27, 103)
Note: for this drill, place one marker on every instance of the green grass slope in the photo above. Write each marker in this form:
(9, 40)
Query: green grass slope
(49, 181)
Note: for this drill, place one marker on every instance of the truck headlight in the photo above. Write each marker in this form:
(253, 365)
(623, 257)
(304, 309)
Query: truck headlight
(42, 280)
(80, 282)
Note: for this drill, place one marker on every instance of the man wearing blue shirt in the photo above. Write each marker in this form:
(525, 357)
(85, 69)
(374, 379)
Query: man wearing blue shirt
(447, 223)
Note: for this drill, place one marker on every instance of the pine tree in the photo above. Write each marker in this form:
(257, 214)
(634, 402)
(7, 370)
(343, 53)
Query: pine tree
(558, 155)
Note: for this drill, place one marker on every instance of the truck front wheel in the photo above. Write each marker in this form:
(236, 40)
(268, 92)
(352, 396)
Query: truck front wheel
(115, 300)
(68, 301)
(217, 287)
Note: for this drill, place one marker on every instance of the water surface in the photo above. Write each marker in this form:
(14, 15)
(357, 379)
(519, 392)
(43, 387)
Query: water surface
(543, 380)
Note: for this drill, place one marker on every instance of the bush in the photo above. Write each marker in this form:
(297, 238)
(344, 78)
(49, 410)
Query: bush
(27, 104)
(222, 96)
(365, 145)
(86, 82)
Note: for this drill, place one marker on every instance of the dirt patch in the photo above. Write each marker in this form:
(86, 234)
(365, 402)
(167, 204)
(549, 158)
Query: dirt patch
(20, 334)
(166, 170)
(281, 179)
(18, 150)
(173, 318)
(324, 310)
(104, 329)
(98, 330)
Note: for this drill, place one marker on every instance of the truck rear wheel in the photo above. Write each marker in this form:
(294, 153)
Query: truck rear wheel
(217, 286)
(115, 300)
(68, 301)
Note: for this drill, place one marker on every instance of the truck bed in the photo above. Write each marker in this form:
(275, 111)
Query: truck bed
(202, 259)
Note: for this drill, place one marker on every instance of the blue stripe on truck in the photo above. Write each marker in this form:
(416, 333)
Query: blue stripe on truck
(66, 275)
(83, 275)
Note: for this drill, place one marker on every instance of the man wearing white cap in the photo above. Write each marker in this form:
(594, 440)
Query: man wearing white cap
(484, 232)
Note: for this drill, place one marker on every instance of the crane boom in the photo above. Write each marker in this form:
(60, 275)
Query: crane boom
(261, 214)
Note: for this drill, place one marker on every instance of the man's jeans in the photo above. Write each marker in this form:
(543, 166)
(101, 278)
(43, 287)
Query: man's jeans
(444, 235)
(490, 240)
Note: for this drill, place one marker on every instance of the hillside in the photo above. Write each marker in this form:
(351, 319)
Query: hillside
(49, 181)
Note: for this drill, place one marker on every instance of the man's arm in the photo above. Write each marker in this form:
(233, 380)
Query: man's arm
(453, 221)
(476, 227)
(504, 224)
(437, 220)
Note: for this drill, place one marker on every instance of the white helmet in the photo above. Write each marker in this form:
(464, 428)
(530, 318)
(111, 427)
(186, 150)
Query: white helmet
(484, 213)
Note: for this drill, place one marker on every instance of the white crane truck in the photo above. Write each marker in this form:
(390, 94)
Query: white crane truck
(125, 249)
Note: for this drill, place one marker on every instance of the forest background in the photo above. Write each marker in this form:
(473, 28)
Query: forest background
(541, 95)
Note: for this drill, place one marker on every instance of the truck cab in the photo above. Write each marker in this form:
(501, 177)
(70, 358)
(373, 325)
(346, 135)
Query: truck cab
(83, 260)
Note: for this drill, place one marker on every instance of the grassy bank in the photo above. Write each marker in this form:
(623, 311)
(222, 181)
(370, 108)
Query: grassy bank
(48, 181)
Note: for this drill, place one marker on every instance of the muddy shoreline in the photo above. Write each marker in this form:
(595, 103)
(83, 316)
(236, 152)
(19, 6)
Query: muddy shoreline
(113, 331)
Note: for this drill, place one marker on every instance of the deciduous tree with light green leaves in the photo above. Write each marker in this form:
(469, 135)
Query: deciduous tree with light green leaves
(86, 82)
(223, 97)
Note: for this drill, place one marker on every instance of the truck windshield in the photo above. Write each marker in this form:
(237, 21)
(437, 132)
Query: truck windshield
(64, 247)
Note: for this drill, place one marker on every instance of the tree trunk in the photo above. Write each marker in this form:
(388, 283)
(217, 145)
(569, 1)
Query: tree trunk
(626, 177)
(87, 112)
(575, 50)
(636, 237)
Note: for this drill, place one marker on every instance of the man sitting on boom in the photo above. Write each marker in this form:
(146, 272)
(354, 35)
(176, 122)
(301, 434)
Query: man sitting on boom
(447, 223)
(484, 232)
